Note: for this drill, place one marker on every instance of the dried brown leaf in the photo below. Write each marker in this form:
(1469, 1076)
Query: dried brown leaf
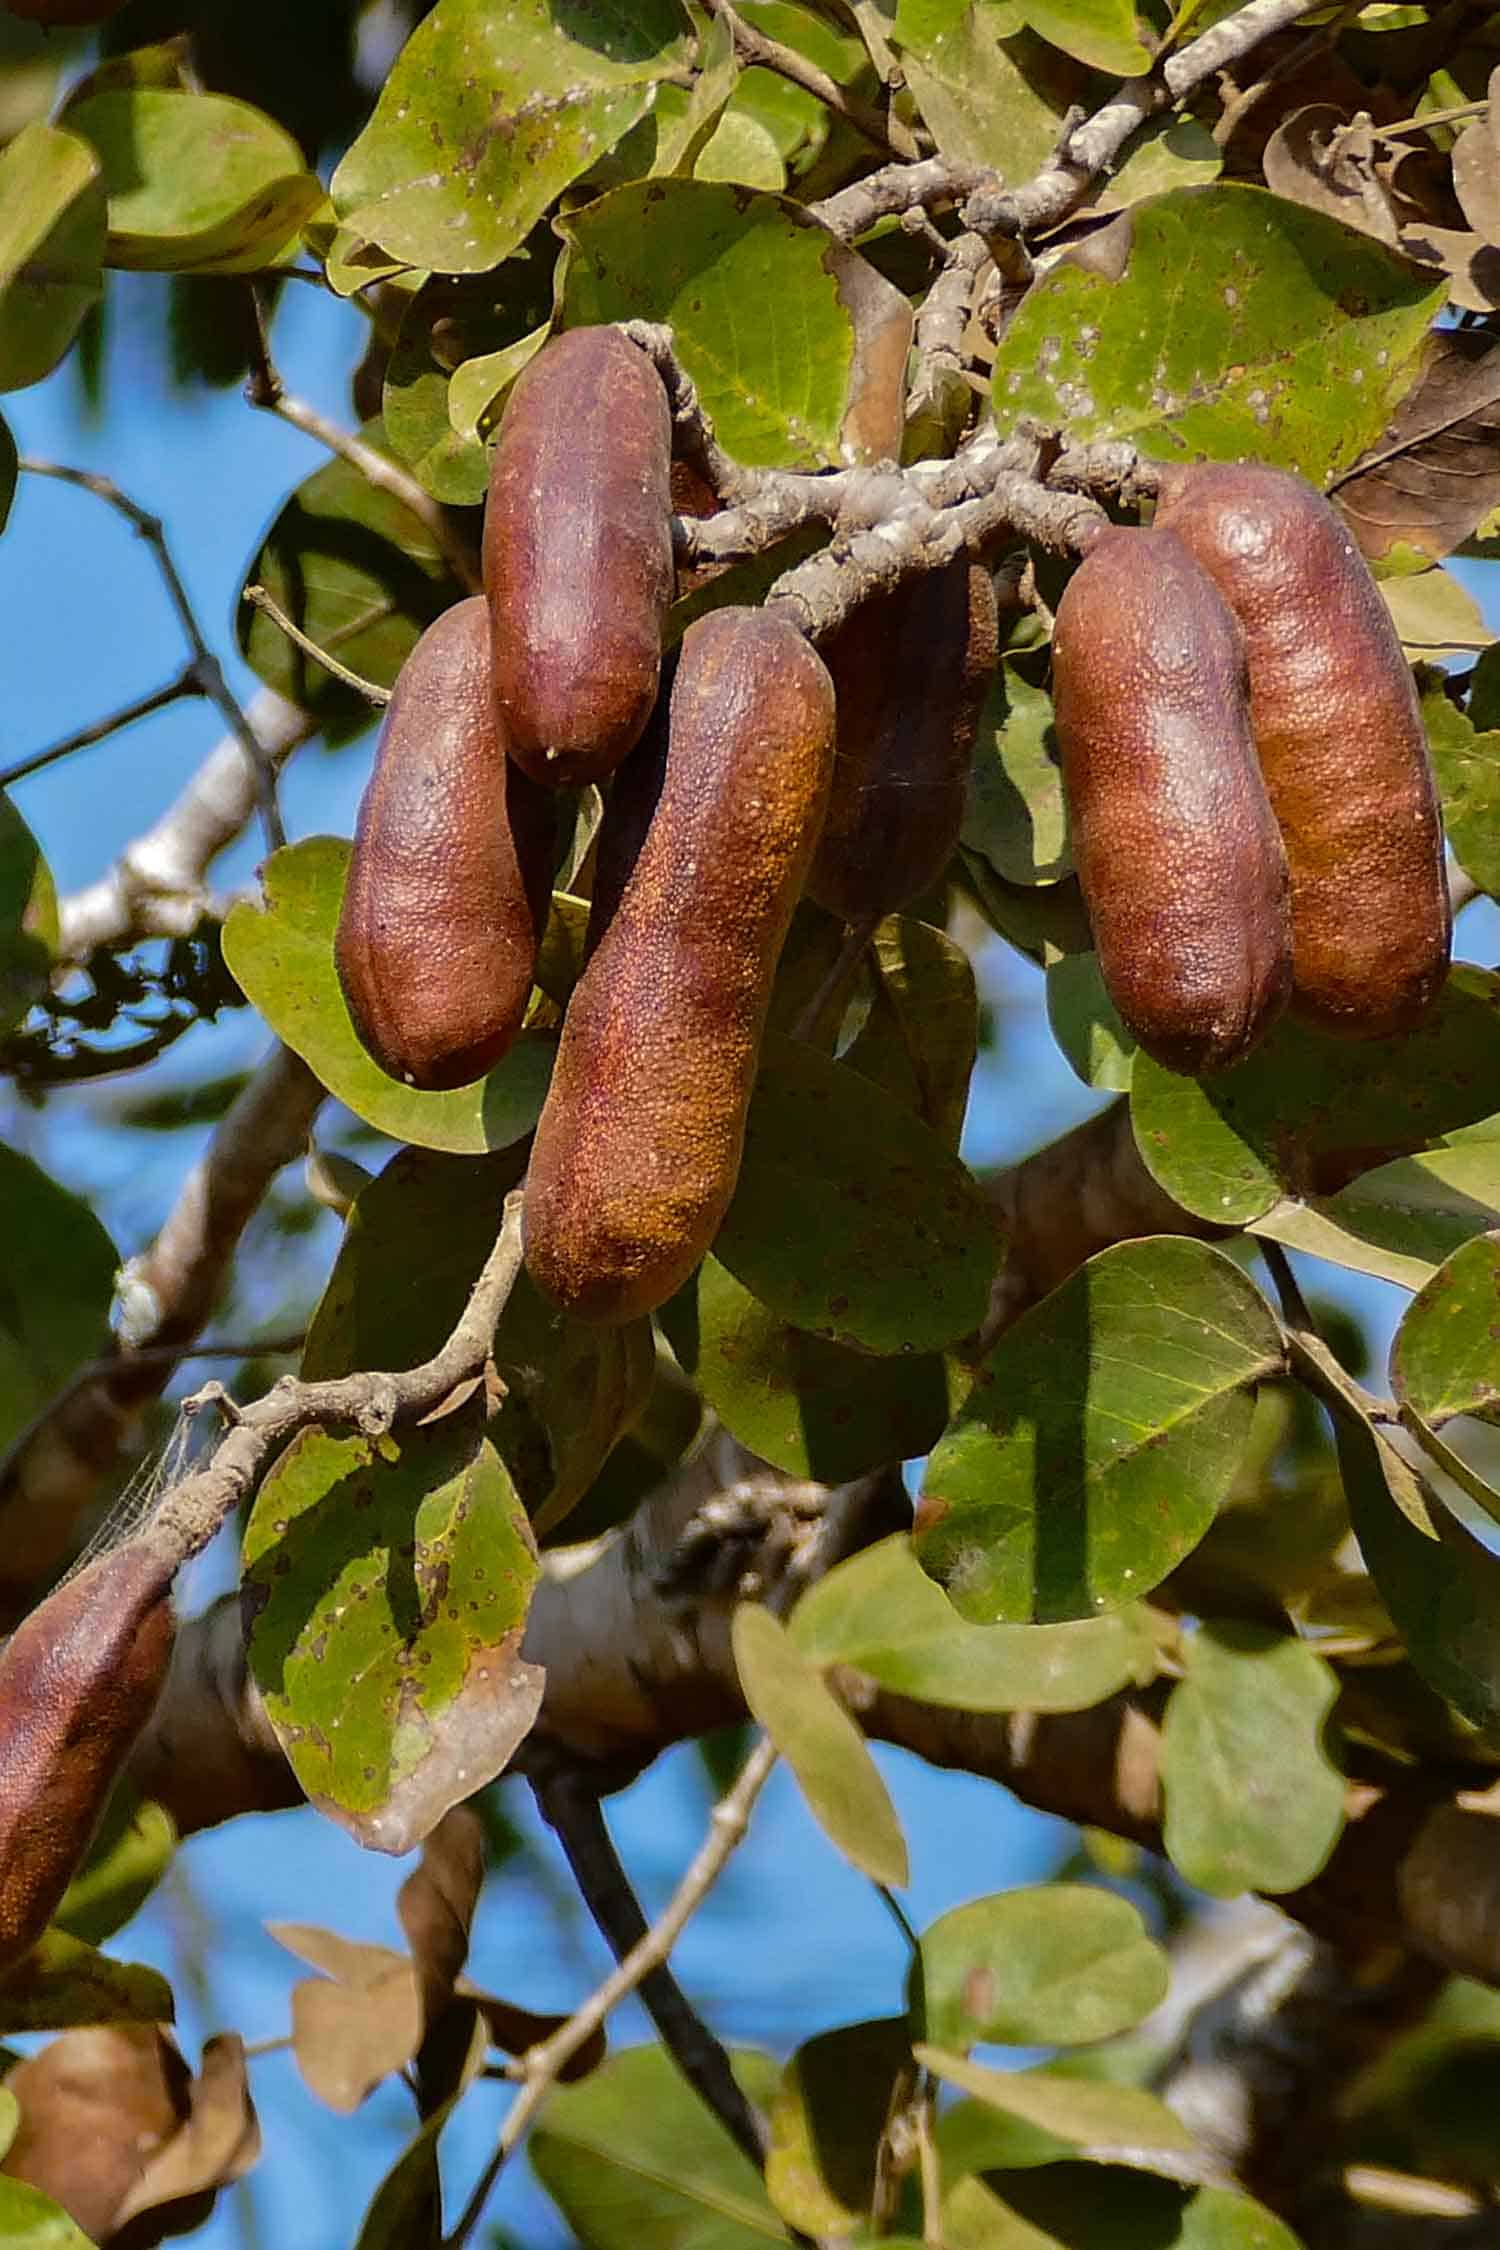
(1476, 174)
(1471, 264)
(514, 2029)
(98, 2106)
(216, 2144)
(436, 1904)
(1436, 476)
(1327, 162)
(347, 2038)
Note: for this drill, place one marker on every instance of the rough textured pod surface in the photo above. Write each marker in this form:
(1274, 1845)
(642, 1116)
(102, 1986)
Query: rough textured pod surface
(449, 882)
(1177, 850)
(639, 1145)
(79, 1679)
(1339, 734)
(910, 670)
(578, 554)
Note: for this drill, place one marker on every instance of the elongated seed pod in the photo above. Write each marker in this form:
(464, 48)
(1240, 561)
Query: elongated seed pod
(578, 554)
(1339, 734)
(79, 1679)
(639, 1144)
(910, 670)
(1173, 836)
(448, 886)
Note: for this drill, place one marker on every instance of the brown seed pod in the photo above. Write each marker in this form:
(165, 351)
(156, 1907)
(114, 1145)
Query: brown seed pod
(578, 554)
(639, 1145)
(449, 882)
(1176, 847)
(79, 1679)
(910, 669)
(1339, 734)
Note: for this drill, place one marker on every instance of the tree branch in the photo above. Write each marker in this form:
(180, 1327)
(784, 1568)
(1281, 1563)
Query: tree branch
(185, 684)
(157, 886)
(753, 47)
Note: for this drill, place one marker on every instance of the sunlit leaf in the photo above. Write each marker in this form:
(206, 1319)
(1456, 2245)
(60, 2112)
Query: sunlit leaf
(1056, 1965)
(196, 182)
(51, 248)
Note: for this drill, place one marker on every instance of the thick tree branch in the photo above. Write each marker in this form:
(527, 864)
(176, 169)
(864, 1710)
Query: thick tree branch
(158, 885)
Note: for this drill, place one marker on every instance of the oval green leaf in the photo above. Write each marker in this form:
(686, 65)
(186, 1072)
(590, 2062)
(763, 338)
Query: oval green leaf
(1014, 817)
(1307, 1113)
(1253, 1800)
(51, 249)
(57, 1279)
(1444, 1359)
(882, 1614)
(489, 113)
(821, 1744)
(828, 2120)
(635, 2161)
(389, 1585)
(921, 1031)
(1087, 2112)
(808, 1406)
(30, 2220)
(1058, 1965)
(28, 917)
(197, 182)
(1287, 337)
(1103, 1433)
(815, 378)
(851, 1219)
(356, 570)
(281, 956)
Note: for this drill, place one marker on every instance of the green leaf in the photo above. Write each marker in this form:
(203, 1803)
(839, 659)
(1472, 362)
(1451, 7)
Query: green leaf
(741, 149)
(30, 2220)
(490, 113)
(1307, 1113)
(51, 249)
(355, 569)
(682, 133)
(1096, 2207)
(1102, 33)
(1435, 616)
(1089, 2112)
(126, 1861)
(10, 2118)
(63, 1982)
(1444, 1361)
(989, 92)
(921, 1033)
(1103, 1433)
(1170, 152)
(1015, 816)
(1086, 1024)
(281, 956)
(1058, 1965)
(828, 2119)
(479, 389)
(635, 2161)
(808, 1406)
(821, 1744)
(1242, 325)
(882, 1614)
(390, 1583)
(412, 1250)
(57, 1278)
(28, 915)
(1440, 1584)
(1253, 1800)
(406, 2210)
(851, 1219)
(796, 344)
(1403, 1219)
(1467, 765)
(197, 182)
(446, 326)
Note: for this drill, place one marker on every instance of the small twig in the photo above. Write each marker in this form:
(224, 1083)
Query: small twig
(265, 389)
(259, 598)
(205, 670)
(731, 1817)
(838, 979)
(753, 47)
(189, 1514)
(570, 1804)
(186, 683)
(693, 438)
(895, 189)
